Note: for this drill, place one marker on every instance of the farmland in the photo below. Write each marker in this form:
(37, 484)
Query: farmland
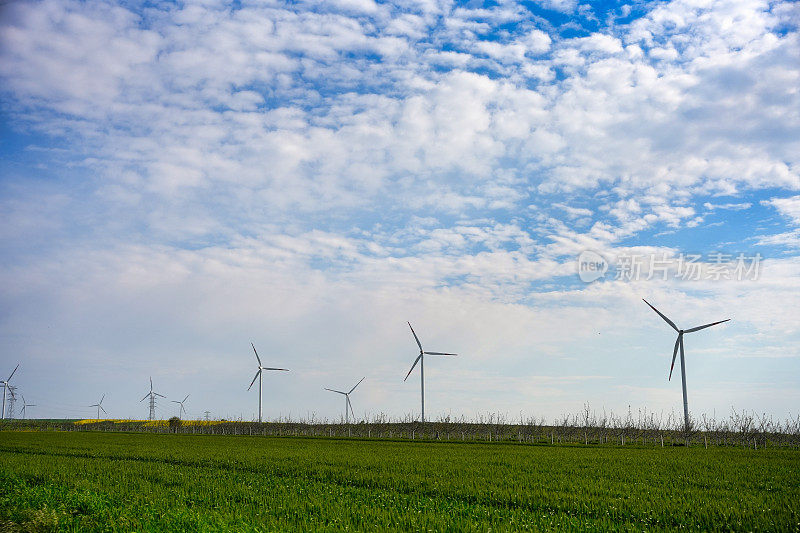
(144, 481)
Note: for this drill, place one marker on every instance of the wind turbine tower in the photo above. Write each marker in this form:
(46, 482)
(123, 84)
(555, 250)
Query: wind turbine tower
(679, 344)
(152, 395)
(347, 400)
(421, 360)
(26, 405)
(4, 383)
(258, 375)
(182, 410)
(99, 406)
(12, 400)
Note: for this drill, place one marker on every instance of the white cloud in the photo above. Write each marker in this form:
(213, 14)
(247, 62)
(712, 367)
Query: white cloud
(308, 171)
(574, 212)
(729, 206)
(564, 6)
(616, 120)
(537, 41)
(789, 239)
(788, 207)
(598, 42)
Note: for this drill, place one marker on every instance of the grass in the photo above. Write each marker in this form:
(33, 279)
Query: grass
(81, 481)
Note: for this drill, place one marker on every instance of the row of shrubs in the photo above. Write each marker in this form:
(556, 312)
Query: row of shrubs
(740, 429)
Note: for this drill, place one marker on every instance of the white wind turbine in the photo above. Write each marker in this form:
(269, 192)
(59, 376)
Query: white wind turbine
(679, 344)
(347, 400)
(421, 360)
(258, 375)
(26, 404)
(152, 395)
(4, 383)
(99, 406)
(182, 410)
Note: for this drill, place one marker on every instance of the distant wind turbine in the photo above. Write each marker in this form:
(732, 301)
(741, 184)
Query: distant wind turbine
(679, 344)
(99, 406)
(4, 383)
(152, 395)
(26, 404)
(421, 360)
(258, 375)
(347, 400)
(181, 411)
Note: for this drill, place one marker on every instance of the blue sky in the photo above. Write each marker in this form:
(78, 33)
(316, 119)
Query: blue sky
(180, 179)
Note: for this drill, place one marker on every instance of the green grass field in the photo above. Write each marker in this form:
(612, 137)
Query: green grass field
(118, 481)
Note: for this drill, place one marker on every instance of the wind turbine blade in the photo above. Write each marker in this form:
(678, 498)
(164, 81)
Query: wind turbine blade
(674, 354)
(101, 399)
(175, 401)
(157, 394)
(187, 397)
(255, 352)
(338, 391)
(357, 384)
(151, 383)
(670, 322)
(698, 328)
(412, 366)
(254, 379)
(12, 373)
(270, 368)
(351, 407)
(101, 408)
(415, 337)
(438, 353)
(145, 396)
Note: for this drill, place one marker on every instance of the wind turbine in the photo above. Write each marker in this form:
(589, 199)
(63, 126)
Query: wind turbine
(258, 375)
(99, 406)
(347, 400)
(12, 400)
(679, 344)
(181, 411)
(5, 389)
(152, 396)
(26, 404)
(420, 359)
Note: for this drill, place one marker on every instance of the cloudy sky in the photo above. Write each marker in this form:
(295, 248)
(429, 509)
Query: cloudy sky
(180, 179)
